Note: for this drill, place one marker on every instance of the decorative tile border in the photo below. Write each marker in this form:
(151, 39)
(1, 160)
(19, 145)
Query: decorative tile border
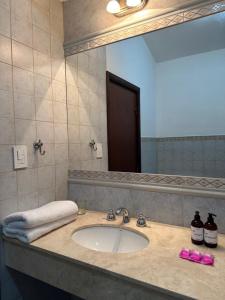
(205, 183)
(185, 138)
(168, 20)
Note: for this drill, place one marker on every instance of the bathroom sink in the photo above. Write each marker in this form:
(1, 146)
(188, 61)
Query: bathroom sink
(110, 239)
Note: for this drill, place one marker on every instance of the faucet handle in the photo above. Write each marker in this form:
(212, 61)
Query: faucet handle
(141, 220)
(111, 215)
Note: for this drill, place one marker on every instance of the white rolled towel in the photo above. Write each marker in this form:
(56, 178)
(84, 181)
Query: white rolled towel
(51, 212)
(29, 235)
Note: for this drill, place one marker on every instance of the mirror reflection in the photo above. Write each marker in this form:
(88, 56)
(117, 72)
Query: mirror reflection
(154, 103)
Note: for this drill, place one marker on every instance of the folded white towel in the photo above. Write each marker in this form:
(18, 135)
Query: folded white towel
(29, 235)
(48, 213)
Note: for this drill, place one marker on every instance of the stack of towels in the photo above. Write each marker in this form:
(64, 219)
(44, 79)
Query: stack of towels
(29, 225)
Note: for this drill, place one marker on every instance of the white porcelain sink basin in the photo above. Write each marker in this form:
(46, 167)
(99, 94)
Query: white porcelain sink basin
(110, 239)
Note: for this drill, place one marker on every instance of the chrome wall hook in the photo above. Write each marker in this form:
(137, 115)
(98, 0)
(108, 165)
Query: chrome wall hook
(93, 146)
(38, 146)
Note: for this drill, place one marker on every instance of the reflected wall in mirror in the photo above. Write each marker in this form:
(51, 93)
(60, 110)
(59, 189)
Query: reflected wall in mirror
(180, 72)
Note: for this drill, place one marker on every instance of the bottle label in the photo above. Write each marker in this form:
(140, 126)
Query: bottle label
(210, 236)
(197, 233)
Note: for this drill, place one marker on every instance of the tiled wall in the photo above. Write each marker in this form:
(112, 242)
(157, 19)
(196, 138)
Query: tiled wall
(148, 155)
(86, 96)
(169, 208)
(202, 156)
(33, 102)
(32, 106)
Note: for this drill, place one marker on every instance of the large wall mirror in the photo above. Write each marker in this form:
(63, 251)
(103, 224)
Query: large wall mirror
(155, 103)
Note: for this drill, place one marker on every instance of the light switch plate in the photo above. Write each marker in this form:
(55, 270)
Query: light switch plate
(20, 157)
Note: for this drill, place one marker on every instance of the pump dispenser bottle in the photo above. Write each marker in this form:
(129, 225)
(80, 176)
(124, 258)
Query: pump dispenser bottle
(197, 230)
(210, 232)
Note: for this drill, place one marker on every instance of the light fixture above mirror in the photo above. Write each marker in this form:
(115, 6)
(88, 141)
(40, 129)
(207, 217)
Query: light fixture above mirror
(122, 8)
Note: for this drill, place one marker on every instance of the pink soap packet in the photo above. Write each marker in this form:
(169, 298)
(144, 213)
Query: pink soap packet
(197, 257)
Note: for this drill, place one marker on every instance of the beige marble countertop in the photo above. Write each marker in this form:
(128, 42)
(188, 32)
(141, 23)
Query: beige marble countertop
(157, 265)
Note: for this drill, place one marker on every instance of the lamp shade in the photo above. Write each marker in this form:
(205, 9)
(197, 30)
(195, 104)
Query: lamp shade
(133, 3)
(113, 7)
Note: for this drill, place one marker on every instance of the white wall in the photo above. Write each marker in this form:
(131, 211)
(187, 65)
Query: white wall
(190, 95)
(132, 60)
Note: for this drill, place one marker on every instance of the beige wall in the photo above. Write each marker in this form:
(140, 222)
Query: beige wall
(84, 18)
(86, 97)
(32, 102)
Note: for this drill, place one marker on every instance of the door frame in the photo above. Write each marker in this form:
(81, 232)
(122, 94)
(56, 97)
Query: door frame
(110, 77)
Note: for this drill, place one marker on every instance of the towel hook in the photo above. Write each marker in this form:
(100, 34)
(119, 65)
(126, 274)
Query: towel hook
(92, 144)
(38, 146)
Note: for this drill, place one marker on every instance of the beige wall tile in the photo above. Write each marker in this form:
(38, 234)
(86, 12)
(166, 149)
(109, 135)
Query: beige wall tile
(73, 115)
(26, 101)
(60, 112)
(56, 27)
(6, 160)
(44, 110)
(45, 196)
(22, 56)
(25, 131)
(22, 31)
(32, 156)
(84, 116)
(87, 165)
(41, 40)
(74, 134)
(40, 16)
(58, 69)
(8, 185)
(71, 75)
(42, 64)
(61, 153)
(28, 201)
(45, 131)
(24, 107)
(23, 82)
(49, 158)
(57, 50)
(5, 50)
(5, 4)
(6, 101)
(61, 182)
(59, 91)
(5, 26)
(44, 4)
(61, 133)
(72, 94)
(5, 77)
(86, 153)
(86, 83)
(85, 134)
(6, 131)
(46, 177)
(27, 181)
(42, 87)
(56, 8)
(74, 152)
(74, 164)
(7, 207)
(21, 9)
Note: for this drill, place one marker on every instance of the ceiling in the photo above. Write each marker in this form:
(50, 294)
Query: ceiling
(202, 35)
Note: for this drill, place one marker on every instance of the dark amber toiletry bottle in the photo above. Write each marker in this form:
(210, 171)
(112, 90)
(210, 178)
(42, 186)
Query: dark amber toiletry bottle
(210, 232)
(197, 230)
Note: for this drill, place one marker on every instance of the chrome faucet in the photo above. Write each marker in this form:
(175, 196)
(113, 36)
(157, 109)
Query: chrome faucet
(124, 211)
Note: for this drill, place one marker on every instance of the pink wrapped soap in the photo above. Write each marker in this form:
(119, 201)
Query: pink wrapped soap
(197, 257)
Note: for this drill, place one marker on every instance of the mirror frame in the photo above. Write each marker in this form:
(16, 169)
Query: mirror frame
(200, 186)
